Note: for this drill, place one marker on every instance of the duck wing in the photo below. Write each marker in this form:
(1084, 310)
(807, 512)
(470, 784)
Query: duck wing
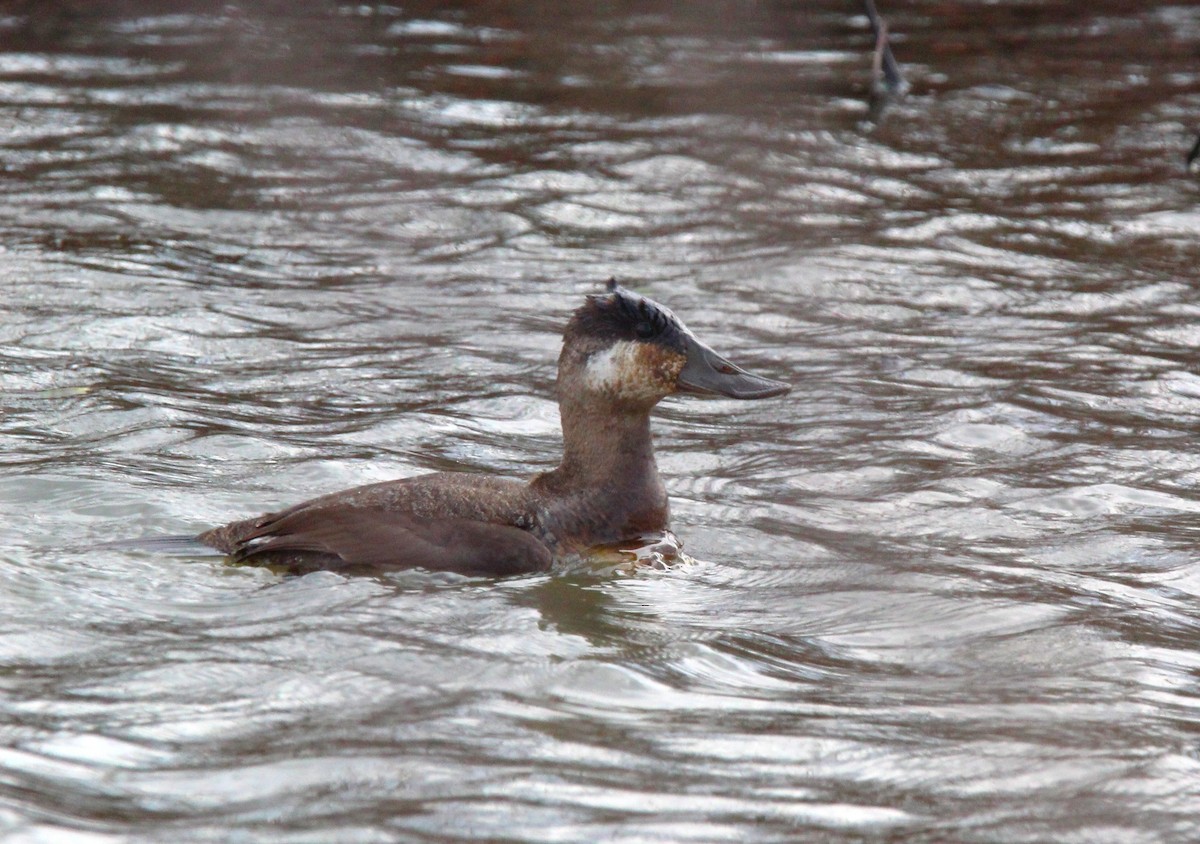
(341, 538)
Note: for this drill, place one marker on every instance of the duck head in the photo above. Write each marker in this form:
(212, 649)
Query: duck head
(630, 350)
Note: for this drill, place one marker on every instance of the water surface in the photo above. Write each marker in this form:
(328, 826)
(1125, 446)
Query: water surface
(945, 590)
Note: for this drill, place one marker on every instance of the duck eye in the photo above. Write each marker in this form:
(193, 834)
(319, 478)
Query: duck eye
(645, 330)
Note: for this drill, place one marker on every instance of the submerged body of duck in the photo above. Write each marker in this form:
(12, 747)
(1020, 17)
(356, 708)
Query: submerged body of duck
(622, 353)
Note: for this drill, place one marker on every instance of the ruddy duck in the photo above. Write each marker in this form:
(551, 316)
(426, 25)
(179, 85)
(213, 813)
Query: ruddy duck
(622, 353)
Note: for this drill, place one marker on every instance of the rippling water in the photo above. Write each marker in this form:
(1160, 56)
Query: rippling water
(946, 590)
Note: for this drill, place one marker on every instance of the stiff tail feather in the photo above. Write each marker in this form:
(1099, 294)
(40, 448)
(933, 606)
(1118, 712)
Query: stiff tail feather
(184, 544)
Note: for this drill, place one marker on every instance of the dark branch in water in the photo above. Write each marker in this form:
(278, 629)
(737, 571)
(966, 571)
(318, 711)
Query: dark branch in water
(886, 67)
(1194, 154)
(887, 82)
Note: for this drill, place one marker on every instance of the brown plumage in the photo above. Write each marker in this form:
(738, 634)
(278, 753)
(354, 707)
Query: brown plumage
(622, 354)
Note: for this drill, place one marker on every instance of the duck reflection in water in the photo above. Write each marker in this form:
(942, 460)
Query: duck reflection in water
(622, 353)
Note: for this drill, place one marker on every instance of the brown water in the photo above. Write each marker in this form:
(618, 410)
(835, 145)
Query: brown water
(948, 590)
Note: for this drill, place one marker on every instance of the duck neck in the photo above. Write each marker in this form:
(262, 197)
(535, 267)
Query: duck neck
(608, 469)
(606, 447)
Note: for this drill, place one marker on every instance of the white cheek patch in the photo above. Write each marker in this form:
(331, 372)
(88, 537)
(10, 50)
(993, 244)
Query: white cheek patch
(634, 372)
(608, 371)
